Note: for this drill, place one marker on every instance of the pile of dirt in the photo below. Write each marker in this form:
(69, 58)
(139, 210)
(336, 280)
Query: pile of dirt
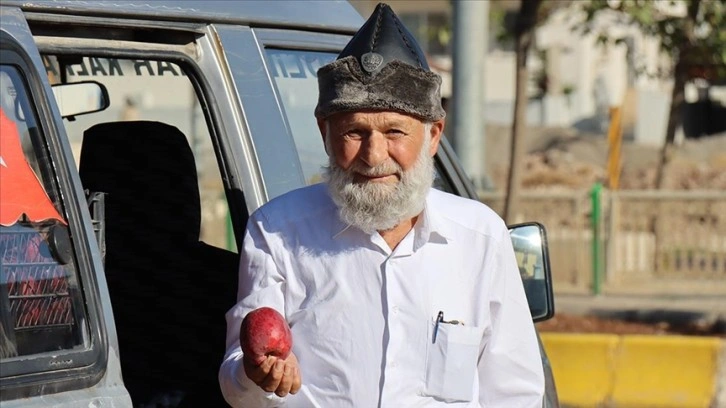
(569, 323)
(564, 159)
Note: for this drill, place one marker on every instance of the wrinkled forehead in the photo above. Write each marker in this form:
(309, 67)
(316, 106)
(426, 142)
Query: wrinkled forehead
(374, 118)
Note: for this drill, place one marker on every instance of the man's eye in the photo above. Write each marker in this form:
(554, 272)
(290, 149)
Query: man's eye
(395, 132)
(353, 134)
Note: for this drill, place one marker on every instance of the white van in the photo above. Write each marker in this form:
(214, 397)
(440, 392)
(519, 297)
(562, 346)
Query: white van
(136, 139)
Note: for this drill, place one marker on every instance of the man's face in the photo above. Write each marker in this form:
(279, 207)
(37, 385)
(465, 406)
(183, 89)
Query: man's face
(380, 166)
(366, 140)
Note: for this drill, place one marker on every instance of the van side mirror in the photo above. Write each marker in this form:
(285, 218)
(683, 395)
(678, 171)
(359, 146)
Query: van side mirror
(530, 248)
(80, 98)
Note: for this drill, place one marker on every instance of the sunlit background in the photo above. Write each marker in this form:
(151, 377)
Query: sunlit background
(621, 154)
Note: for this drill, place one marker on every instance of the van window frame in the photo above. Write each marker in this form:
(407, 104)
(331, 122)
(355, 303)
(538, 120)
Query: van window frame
(178, 54)
(70, 369)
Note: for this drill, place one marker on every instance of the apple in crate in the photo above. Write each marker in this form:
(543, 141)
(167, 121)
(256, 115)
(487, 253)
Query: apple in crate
(265, 332)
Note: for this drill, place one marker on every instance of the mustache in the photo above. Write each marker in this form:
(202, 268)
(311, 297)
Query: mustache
(383, 169)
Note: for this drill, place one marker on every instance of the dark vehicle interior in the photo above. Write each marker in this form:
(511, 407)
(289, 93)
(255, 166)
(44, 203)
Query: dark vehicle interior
(165, 284)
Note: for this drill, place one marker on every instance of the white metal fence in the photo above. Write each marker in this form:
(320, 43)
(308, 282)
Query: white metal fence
(649, 241)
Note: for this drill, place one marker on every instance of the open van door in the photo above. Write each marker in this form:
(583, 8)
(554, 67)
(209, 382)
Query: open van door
(54, 309)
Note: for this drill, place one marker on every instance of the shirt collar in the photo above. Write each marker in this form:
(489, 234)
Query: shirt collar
(430, 226)
(341, 226)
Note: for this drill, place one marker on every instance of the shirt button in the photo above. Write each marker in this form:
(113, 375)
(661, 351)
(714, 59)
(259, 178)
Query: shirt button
(395, 309)
(394, 364)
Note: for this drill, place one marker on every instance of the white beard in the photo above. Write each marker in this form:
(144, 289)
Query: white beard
(373, 206)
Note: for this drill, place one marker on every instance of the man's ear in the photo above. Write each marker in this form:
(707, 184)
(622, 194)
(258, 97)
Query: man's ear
(323, 132)
(437, 130)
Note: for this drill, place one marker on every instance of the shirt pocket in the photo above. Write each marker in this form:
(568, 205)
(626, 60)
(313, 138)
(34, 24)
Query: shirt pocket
(451, 361)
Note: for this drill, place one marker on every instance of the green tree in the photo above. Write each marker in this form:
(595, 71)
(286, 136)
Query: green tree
(695, 43)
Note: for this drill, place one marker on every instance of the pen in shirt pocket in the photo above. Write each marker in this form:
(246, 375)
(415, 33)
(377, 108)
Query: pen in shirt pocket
(439, 320)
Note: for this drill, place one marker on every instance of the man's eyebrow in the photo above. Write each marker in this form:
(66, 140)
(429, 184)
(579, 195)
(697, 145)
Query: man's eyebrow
(361, 125)
(398, 125)
(347, 127)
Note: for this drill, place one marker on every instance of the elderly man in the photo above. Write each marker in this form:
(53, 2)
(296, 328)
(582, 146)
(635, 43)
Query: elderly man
(397, 294)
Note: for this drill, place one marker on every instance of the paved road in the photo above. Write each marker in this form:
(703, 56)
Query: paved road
(689, 307)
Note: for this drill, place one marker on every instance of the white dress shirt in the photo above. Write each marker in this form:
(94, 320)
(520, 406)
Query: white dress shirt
(363, 317)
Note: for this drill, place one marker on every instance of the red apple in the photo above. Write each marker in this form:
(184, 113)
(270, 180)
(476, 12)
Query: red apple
(265, 332)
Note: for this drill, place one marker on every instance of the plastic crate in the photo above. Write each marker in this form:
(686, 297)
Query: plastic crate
(34, 290)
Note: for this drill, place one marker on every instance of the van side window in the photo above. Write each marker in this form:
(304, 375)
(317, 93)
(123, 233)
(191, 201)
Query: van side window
(41, 305)
(156, 91)
(295, 76)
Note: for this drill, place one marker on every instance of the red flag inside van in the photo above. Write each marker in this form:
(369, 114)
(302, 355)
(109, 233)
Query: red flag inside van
(21, 192)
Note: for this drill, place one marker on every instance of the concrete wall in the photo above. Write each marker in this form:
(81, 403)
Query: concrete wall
(594, 370)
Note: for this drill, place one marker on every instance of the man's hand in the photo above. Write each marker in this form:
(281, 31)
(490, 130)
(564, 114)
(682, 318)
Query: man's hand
(275, 374)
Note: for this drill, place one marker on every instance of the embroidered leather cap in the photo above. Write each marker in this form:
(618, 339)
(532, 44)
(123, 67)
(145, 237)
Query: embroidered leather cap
(381, 68)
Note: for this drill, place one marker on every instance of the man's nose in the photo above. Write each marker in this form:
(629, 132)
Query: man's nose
(374, 149)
